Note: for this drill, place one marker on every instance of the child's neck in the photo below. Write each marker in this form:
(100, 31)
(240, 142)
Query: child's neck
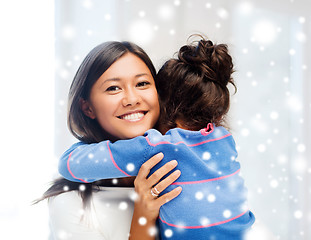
(180, 124)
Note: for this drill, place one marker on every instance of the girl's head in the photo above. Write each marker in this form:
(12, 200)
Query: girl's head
(193, 88)
(113, 94)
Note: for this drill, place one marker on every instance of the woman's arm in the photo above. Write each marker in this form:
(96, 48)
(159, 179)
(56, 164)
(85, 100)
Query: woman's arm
(147, 206)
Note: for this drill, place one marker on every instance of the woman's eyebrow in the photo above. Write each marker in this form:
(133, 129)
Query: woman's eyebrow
(142, 74)
(118, 79)
(109, 80)
(112, 79)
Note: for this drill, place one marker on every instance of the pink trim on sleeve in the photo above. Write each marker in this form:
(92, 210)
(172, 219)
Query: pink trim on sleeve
(114, 163)
(204, 226)
(205, 180)
(71, 173)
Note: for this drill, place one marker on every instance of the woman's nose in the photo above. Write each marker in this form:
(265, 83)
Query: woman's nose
(131, 98)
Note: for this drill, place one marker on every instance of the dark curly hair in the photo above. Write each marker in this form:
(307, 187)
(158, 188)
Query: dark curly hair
(193, 87)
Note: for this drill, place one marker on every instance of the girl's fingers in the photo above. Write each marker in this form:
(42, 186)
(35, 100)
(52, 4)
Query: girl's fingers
(167, 181)
(161, 172)
(168, 196)
(145, 168)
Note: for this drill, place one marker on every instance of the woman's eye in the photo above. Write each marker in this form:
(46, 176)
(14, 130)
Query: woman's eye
(143, 84)
(112, 88)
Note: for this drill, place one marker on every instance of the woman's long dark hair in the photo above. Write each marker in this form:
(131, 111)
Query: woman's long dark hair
(193, 89)
(94, 65)
(82, 127)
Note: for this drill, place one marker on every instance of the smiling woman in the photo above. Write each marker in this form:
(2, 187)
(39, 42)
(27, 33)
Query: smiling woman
(125, 103)
(120, 74)
(113, 96)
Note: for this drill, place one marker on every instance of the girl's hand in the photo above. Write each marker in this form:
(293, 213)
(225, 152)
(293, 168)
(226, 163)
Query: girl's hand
(147, 205)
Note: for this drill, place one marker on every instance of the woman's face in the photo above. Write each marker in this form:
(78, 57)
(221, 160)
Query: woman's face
(124, 99)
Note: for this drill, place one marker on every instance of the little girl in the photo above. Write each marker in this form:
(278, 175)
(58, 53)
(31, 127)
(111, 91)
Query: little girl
(194, 100)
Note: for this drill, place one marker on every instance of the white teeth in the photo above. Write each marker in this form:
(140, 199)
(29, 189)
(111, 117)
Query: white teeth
(133, 116)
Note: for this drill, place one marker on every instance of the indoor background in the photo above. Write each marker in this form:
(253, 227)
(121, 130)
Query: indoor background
(43, 42)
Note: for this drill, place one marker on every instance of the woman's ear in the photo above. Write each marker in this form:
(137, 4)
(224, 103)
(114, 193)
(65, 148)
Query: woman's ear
(86, 108)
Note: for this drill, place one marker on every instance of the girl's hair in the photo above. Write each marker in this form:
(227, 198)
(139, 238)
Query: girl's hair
(93, 66)
(82, 127)
(193, 89)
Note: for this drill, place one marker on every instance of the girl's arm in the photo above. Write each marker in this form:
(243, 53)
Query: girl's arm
(91, 162)
(80, 161)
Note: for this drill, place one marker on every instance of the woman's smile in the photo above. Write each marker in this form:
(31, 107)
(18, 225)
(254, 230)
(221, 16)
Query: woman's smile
(135, 116)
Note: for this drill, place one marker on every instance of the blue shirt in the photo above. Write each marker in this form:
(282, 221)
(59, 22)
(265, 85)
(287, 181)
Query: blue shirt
(212, 204)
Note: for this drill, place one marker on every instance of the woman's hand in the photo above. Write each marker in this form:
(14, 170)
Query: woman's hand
(147, 205)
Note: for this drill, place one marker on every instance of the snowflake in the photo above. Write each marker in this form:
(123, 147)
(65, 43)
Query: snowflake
(261, 148)
(233, 158)
(152, 231)
(88, 4)
(107, 17)
(140, 31)
(222, 13)
(123, 205)
(274, 183)
(199, 195)
(142, 221)
(244, 132)
(301, 37)
(168, 233)
(68, 32)
(82, 187)
(274, 115)
(211, 198)
(208, 5)
(63, 235)
(177, 2)
(166, 12)
(142, 14)
(204, 221)
(227, 213)
(298, 214)
(206, 156)
(264, 32)
(130, 167)
(301, 148)
(302, 20)
(292, 51)
(114, 181)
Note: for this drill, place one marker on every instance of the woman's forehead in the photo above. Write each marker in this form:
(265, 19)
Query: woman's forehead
(128, 66)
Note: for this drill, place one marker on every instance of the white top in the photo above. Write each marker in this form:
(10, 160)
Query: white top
(108, 217)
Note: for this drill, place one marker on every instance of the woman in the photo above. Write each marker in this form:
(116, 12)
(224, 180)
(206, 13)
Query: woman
(97, 113)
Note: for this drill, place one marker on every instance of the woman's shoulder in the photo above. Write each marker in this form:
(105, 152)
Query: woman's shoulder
(108, 208)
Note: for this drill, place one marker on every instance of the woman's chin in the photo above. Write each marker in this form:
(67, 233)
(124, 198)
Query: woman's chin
(135, 132)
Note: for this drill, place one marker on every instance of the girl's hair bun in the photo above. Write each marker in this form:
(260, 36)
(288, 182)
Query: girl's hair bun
(193, 86)
(209, 60)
